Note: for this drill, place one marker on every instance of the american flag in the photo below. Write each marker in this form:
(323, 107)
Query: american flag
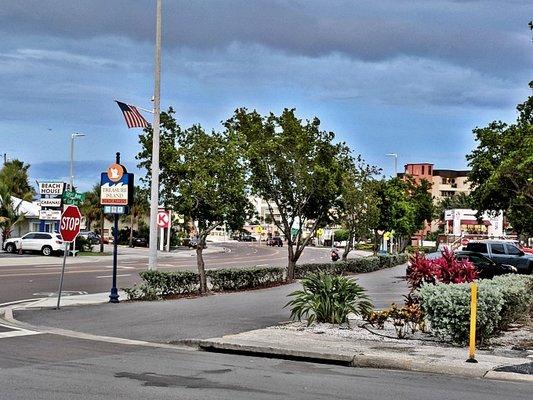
(133, 117)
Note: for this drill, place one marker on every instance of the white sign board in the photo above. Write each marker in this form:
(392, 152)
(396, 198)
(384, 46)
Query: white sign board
(50, 202)
(51, 188)
(114, 195)
(50, 215)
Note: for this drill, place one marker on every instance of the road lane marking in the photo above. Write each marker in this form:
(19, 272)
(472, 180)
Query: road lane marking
(16, 331)
(110, 276)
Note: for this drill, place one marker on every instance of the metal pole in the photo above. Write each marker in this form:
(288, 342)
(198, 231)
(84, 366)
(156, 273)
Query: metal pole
(62, 275)
(168, 229)
(154, 193)
(113, 297)
(71, 162)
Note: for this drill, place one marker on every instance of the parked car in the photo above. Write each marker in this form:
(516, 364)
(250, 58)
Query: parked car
(139, 242)
(274, 241)
(248, 238)
(193, 243)
(503, 252)
(485, 267)
(43, 242)
(91, 237)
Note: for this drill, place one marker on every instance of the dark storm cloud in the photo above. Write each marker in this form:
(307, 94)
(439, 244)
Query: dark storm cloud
(488, 36)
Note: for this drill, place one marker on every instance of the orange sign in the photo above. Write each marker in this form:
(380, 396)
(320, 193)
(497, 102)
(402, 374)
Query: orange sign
(115, 172)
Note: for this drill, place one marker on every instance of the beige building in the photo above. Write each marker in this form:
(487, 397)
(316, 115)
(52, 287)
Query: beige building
(444, 182)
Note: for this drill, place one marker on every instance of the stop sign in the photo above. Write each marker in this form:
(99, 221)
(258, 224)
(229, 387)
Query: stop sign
(70, 223)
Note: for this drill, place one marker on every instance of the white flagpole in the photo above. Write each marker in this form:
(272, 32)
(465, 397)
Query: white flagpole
(154, 194)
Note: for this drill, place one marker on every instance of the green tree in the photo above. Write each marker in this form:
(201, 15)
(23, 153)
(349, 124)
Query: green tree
(404, 207)
(203, 179)
(502, 168)
(358, 209)
(14, 174)
(10, 214)
(92, 211)
(140, 208)
(294, 167)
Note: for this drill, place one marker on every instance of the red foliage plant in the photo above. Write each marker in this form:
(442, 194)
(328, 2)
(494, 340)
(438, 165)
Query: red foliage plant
(445, 269)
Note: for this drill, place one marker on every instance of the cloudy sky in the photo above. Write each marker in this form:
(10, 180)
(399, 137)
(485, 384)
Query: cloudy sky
(409, 77)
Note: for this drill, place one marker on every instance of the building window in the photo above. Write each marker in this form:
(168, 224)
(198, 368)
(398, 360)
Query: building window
(429, 170)
(444, 181)
(422, 170)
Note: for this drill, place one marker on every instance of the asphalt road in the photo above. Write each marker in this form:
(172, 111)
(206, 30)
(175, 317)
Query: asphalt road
(50, 367)
(203, 317)
(26, 277)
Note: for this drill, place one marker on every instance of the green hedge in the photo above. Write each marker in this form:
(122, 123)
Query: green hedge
(517, 291)
(160, 284)
(352, 265)
(244, 278)
(447, 308)
(501, 301)
(167, 283)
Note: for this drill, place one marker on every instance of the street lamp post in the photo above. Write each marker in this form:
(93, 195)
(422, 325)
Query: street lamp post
(395, 162)
(72, 137)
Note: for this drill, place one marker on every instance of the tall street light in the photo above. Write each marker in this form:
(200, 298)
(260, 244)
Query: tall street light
(395, 162)
(154, 190)
(72, 137)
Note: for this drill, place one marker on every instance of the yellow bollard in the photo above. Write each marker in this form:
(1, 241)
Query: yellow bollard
(473, 318)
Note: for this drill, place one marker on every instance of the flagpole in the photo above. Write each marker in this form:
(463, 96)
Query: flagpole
(154, 194)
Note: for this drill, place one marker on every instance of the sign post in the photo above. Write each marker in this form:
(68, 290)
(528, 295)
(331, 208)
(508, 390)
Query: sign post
(116, 195)
(69, 228)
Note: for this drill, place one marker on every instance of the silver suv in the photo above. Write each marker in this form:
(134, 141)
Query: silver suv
(43, 242)
(503, 252)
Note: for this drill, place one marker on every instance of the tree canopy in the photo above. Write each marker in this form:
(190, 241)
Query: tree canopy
(202, 178)
(14, 174)
(502, 168)
(295, 167)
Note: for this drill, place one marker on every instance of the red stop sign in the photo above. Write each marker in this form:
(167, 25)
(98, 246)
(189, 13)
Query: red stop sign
(70, 223)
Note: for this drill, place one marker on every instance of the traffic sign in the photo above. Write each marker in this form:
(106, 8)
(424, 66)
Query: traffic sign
(73, 198)
(163, 220)
(70, 224)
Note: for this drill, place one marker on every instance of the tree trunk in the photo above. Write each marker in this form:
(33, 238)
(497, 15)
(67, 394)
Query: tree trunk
(348, 247)
(291, 263)
(201, 267)
(131, 231)
(102, 221)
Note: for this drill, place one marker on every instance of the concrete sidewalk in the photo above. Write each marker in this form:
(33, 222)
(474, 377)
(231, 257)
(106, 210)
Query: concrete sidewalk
(395, 355)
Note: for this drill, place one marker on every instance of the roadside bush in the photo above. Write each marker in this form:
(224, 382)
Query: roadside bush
(406, 320)
(364, 264)
(244, 278)
(517, 291)
(166, 283)
(332, 268)
(142, 292)
(82, 244)
(445, 269)
(328, 298)
(447, 309)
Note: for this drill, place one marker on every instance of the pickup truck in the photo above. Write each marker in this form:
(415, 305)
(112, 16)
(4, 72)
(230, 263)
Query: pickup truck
(503, 253)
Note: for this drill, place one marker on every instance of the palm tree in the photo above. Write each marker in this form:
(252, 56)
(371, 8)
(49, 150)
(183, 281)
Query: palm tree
(14, 174)
(140, 208)
(10, 214)
(91, 208)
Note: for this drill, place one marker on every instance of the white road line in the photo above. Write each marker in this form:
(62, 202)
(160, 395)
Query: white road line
(4, 335)
(110, 276)
(119, 267)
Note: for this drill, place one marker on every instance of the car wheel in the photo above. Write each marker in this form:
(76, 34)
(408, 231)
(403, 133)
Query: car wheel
(10, 248)
(46, 250)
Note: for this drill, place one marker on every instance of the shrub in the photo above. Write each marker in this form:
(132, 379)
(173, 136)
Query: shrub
(332, 268)
(406, 320)
(166, 283)
(517, 291)
(245, 278)
(328, 298)
(141, 292)
(446, 269)
(447, 308)
(364, 264)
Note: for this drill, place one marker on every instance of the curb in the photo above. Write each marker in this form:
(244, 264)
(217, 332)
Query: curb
(377, 361)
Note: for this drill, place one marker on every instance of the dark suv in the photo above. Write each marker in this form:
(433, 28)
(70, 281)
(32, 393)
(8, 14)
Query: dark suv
(275, 241)
(503, 252)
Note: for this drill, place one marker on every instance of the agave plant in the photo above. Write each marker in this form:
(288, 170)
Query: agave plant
(328, 298)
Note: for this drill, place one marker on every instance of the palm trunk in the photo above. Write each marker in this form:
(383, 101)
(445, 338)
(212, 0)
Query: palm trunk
(131, 231)
(201, 267)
